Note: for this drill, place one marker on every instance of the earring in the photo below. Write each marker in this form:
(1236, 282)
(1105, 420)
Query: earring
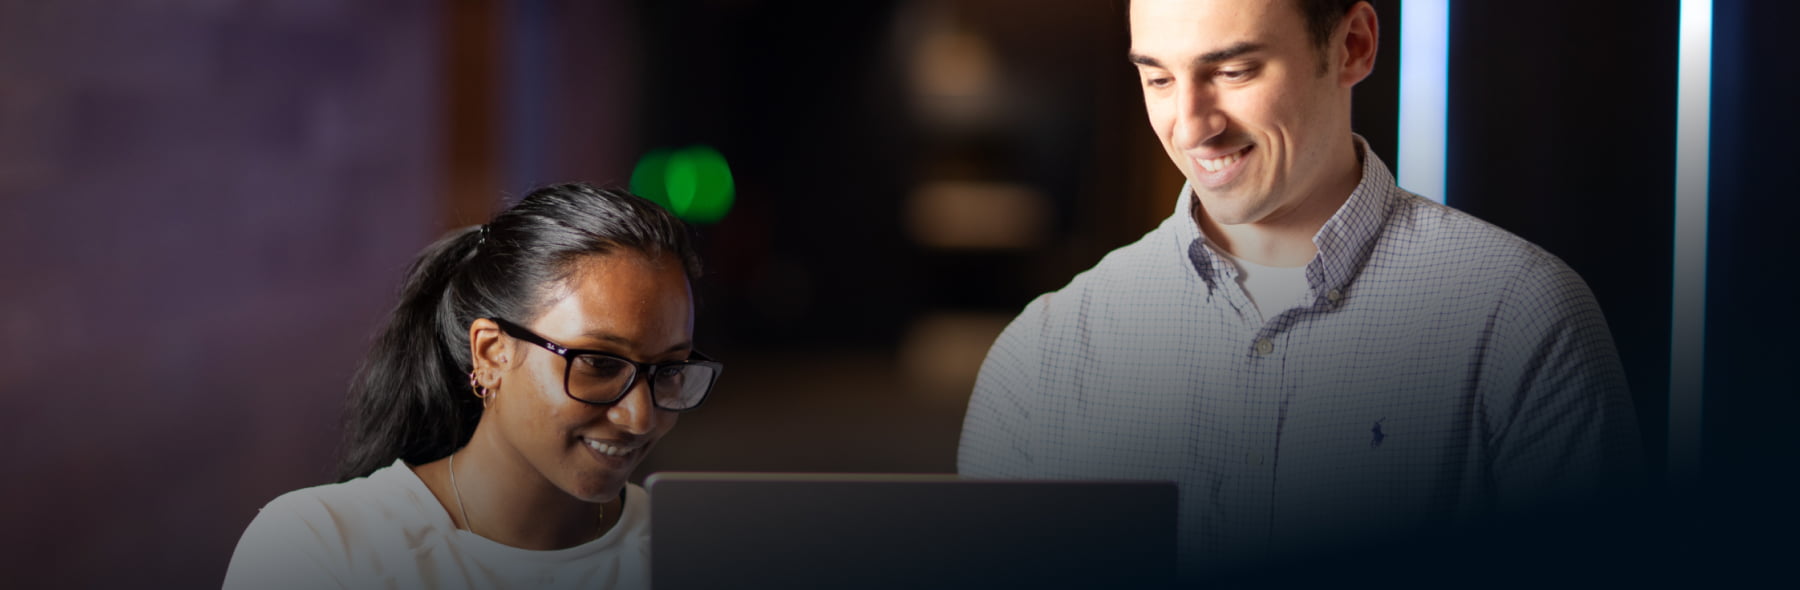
(475, 386)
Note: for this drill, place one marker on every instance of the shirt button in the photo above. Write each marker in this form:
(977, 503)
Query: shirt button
(1334, 296)
(1254, 458)
(1264, 346)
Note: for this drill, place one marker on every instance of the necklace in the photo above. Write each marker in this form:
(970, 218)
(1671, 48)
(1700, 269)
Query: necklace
(465, 511)
(458, 492)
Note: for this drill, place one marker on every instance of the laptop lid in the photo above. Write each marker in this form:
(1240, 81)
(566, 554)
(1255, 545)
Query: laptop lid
(766, 530)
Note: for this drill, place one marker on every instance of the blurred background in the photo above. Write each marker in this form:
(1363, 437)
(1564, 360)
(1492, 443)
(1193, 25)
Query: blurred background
(206, 207)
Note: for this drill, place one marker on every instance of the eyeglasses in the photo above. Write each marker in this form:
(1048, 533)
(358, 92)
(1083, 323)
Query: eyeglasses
(599, 378)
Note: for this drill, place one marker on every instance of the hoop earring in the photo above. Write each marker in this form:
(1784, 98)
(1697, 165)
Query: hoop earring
(475, 386)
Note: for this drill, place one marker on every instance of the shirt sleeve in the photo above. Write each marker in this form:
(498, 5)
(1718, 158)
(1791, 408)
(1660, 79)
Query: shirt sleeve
(995, 430)
(1559, 411)
(283, 548)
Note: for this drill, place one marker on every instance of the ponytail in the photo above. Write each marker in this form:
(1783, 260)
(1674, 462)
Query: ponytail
(405, 393)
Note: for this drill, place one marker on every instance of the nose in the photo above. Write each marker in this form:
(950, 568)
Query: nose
(1197, 115)
(636, 413)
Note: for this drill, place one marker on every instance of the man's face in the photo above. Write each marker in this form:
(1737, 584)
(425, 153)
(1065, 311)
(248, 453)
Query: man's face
(1235, 92)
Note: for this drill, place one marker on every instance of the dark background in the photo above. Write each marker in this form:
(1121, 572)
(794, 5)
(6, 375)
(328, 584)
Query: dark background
(206, 206)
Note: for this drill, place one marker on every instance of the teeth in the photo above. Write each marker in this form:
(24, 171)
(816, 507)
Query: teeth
(606, 449)
(1217, 164)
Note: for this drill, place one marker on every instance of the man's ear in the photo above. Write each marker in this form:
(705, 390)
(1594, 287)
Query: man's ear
(489, 351)
(1358, 36)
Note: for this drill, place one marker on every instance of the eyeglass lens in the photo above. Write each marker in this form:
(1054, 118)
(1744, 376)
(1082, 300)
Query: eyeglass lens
(601, 379)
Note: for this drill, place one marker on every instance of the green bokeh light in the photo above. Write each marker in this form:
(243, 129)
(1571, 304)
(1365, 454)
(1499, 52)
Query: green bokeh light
(647, 180)
(693, 182)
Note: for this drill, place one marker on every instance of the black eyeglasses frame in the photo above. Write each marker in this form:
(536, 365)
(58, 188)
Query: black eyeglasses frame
(569, 355)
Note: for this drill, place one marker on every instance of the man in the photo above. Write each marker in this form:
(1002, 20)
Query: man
(1314, 355)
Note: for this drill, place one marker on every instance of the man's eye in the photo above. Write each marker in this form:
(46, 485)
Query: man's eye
(1234, 75)
(1158, 82)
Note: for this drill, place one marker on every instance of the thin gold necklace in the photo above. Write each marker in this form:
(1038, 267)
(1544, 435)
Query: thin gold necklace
(465, 511)
(458, 492)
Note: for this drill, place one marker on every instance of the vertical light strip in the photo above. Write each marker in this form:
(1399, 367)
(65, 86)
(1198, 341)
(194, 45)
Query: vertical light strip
(1687, 322)
(1424, 95)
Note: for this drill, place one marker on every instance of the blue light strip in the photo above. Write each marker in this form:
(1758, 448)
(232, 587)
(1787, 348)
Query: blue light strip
(1424, 95)
(1687, 322)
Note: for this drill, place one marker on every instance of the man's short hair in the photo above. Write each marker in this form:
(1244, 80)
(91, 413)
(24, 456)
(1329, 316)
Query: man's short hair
(1322, 17)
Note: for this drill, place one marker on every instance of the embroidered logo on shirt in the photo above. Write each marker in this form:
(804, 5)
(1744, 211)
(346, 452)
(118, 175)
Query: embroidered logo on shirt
(1375, 441)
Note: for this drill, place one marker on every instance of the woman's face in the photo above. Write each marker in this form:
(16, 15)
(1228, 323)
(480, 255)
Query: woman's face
(621, 303)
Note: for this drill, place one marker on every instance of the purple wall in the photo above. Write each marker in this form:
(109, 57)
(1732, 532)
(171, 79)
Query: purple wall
(205, 207)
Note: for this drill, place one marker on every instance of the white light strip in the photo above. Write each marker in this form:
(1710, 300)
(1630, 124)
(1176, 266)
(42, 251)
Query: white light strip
(1687, 322)
(1424, 95)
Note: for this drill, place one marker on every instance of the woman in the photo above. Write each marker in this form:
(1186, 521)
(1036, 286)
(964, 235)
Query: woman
(531, 364)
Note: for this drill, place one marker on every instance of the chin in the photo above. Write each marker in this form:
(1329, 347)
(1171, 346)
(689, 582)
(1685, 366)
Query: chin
(596, 488)
(600, 494)
(1224, 212)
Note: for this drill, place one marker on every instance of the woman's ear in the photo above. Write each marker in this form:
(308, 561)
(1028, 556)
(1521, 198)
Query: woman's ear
(489, 352)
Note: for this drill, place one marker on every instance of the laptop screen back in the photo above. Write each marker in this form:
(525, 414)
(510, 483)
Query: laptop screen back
(760, 530)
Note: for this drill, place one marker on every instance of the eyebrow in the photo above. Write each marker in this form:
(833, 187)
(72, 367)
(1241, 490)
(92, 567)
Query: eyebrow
(1235, 50)
(623, 341)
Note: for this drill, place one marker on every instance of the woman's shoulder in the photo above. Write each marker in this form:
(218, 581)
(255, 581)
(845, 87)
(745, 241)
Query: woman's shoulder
(301, 538)
(386, 506)
(390, 494)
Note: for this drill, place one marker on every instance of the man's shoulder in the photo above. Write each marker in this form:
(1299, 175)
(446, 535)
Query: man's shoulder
(1133, 272)
(1133, 288)
(1438, 239)
(1155, 263)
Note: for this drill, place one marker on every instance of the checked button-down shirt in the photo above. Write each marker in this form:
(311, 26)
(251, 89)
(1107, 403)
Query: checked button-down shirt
(1439, 371)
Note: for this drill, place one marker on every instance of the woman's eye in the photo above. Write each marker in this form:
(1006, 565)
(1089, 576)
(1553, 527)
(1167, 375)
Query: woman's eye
(600, 366)
(672, 376)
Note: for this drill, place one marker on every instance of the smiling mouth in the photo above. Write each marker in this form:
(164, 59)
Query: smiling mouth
(608, 449)
(1223, 162)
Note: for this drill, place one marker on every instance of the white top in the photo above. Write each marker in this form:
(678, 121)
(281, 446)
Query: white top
(388, 531)
(1271, 288)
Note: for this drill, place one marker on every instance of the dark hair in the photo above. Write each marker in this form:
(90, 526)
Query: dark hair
(1322, 16)
(411, 400)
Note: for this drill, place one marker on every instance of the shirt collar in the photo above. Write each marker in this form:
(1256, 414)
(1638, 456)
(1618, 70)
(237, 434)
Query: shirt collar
(1343, 242)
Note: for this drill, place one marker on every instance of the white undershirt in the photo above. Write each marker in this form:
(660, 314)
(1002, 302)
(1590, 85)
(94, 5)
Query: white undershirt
(1269, 287)
(387, 530)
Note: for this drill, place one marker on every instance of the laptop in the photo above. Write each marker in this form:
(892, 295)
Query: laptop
(770, 530)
